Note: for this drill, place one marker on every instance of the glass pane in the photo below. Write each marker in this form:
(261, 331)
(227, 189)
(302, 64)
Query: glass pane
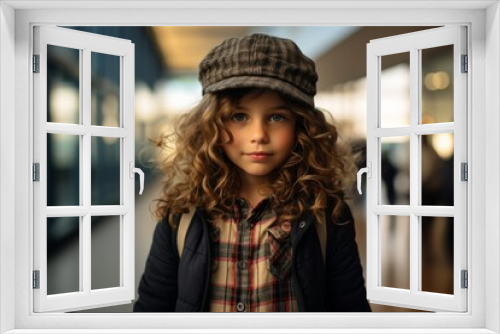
(105, 171)
(437, 84)
(63, 169)
(437, 254)
(63, 255)
(395, 90)
(437, 169)
(105, 90)
(395, 170)
(395, 251)
(105, 252)
(63, 82)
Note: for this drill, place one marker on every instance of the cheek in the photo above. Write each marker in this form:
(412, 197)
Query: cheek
(286, 139)
(232, 147)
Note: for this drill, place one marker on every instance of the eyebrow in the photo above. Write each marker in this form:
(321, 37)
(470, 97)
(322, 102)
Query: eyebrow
(278, 107)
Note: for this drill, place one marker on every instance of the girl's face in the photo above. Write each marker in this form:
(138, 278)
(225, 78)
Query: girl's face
(263, 130)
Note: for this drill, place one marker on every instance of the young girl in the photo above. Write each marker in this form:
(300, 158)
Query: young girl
(264, 171)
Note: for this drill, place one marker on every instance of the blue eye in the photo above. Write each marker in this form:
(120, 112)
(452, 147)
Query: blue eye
(238, 117)
(277, 118)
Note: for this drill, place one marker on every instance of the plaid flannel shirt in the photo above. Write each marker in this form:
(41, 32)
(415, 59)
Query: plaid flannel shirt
(251, 262)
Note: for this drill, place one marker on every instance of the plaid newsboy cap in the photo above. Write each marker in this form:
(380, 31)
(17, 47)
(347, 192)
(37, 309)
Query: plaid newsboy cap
(261, 61)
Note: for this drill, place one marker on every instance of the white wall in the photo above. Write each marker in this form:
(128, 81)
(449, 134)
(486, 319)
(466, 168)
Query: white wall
(7, 161)
(492, 162)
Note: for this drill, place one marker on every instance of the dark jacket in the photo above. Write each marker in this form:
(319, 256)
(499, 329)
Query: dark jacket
(170, 284)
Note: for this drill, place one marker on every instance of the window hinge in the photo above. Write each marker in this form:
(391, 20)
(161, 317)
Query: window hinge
(36, 63)
(464, 171)
(36, 279)
(36, 172)
(465, 64)
(465, 279)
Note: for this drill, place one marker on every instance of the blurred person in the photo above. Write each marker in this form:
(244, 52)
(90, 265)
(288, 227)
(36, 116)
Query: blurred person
(264, 176)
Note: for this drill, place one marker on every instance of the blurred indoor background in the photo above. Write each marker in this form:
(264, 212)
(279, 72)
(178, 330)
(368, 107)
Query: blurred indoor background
(166, 60)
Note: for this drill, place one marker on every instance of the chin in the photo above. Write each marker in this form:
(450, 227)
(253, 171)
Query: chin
(258, 173)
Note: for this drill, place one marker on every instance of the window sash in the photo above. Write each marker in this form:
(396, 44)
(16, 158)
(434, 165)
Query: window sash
(413, 298)
(86, 297)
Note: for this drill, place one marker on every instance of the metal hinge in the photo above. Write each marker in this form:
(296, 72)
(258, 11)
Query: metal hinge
(36, 279)
(464, 171)
(465, 279)
(465, 64)
(36, 172)
(36, 63)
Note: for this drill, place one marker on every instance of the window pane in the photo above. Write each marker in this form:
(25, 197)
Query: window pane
(105, 252)
(105, 171)
(395, 251)
(63, 255)
(437, 84)
(395, 170)
(395, 90)
(437, 169)
(105, 90)
(437, 254)
(63, 82)
(63, 170)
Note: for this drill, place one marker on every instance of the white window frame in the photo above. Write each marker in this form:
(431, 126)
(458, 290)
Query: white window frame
(483, 21)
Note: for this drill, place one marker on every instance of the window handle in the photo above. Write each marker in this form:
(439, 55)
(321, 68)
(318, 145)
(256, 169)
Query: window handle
(368, 171)
(141, 175)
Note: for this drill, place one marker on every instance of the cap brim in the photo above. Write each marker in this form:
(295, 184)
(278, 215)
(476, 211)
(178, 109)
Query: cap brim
(262, 82)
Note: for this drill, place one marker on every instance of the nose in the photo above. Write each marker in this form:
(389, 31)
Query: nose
(259, 133)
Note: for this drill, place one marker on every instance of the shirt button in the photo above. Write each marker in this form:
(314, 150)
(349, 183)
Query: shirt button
(240, 307)
(243, 264)
(286, 227)
(302, 224)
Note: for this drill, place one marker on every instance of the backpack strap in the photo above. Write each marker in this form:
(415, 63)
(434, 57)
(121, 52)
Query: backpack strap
(184, 223)
(186, 219)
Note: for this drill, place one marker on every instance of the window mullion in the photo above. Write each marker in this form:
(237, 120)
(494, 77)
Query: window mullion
(414, 169)
(426, 129)
(86, 167)
(85, 250)
(80, 130)
(104, 131)
(81, 258)
(421, 210)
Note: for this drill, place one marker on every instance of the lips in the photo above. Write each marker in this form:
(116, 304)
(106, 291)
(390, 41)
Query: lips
(262, 157)
(258, 153)
(258, 156)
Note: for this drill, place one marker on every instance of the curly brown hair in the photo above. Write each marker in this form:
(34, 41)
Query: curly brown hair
(198, 173)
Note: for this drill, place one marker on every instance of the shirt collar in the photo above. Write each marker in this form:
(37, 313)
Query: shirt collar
(243, 209)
